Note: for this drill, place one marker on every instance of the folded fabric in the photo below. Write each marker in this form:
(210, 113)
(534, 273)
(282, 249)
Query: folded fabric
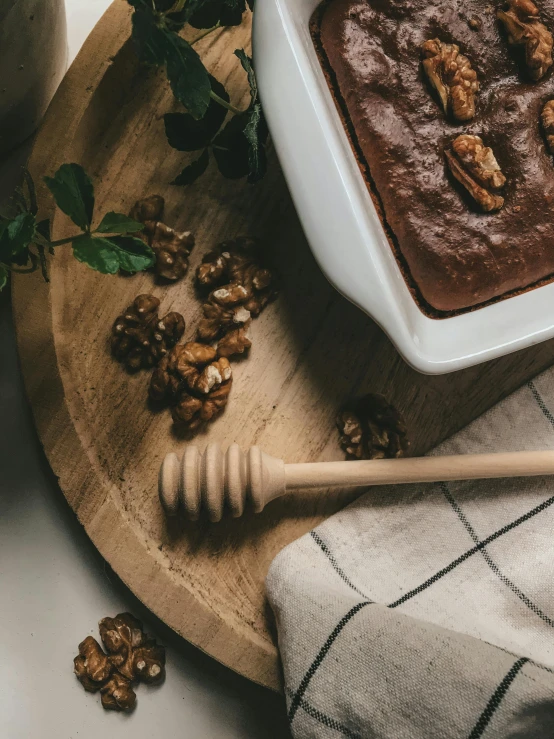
(427, 611)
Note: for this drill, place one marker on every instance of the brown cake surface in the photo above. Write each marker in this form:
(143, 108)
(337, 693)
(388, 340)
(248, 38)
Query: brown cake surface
(453, 255)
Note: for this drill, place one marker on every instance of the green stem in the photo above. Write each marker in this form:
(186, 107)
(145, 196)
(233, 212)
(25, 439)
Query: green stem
(179, 5)
(19, 270)
(60, 242)
(224, 103)
(204, 34)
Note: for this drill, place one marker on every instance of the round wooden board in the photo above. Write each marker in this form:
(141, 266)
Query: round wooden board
(311, 350)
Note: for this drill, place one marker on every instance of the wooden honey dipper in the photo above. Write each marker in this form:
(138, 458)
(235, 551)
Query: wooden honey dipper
(215, 480)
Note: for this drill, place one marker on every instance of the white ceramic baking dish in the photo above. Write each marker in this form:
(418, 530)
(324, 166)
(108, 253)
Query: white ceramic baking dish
(340, 220)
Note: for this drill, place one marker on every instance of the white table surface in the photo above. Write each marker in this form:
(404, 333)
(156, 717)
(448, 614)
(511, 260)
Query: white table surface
(54, 587)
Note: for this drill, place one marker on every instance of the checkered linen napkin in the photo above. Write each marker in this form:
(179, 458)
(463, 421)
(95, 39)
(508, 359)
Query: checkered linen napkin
(427, 611)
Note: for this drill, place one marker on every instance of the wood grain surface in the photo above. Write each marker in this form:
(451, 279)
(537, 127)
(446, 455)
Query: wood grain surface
(311, 350)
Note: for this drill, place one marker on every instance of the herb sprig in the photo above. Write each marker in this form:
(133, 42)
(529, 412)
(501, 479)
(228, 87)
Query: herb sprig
(107, 248)
(212, 125)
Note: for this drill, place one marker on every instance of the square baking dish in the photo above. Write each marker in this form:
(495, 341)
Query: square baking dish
(340, 220)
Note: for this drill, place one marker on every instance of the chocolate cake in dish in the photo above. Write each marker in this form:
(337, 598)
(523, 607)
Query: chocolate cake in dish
(446, 105)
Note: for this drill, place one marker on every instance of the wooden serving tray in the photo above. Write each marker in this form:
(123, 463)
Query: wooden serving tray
(311, 350)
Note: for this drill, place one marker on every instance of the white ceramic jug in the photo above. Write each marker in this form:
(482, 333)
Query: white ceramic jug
(33, 59)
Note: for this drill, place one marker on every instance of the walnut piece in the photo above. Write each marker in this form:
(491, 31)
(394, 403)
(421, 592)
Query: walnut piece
(243, 288)
(475, 167)
(479, 160)
(121, 635)
(148, 211)
(194, 382)
(547, 119)
(371, 428)
(223, 312)
(132, 656)
(234, 342)
(91, 665)
(149, 662)
(140, 338)
(450, 73)
(118, 694)
(172, 248)
(520, 19)
(237, 262)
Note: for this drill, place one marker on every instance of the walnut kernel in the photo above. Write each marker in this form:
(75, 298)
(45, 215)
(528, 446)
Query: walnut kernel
(148, 211)
(194, 382)
(223, 312)
(479, 160)
(475, 167)
(132, 656)
(237, 263)
(243, 288)
(523, 27)
(371, 428)
(121, 635)
(140, 338)
(91, 665)
(452, 76)
(172, 250)
(118, 694)
(236, 341)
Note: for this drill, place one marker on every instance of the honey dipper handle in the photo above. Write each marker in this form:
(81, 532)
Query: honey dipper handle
(214, 481)
(419, 469)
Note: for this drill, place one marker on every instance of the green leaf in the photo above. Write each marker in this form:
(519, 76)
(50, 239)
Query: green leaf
(109, 255)
(239, 149)
(254, 128)
(184, 133)
(230, 149)
(158, 43)
(255, 133)
(133, 254)
(118, 223)
(246, 62)
(74, 193)
(43, 228)
(15, 237)
(140, 4)
(97, 253)
(194, 170)
(211, 12)
(148, 38)
(3, 277)
(22, 257)
(187, 75)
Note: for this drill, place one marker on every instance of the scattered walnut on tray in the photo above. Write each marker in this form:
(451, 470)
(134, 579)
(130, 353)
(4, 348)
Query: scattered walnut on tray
(194, 382)
(140, 338)
(547, 119)
(132, 656)
(452, 76)
(371, 428)
(148, 211)
(475, 167)
(172, 248)
(243, 288)
(521, 21)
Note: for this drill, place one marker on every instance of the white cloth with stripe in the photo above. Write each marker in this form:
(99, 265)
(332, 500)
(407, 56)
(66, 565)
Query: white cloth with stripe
(427, 611)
